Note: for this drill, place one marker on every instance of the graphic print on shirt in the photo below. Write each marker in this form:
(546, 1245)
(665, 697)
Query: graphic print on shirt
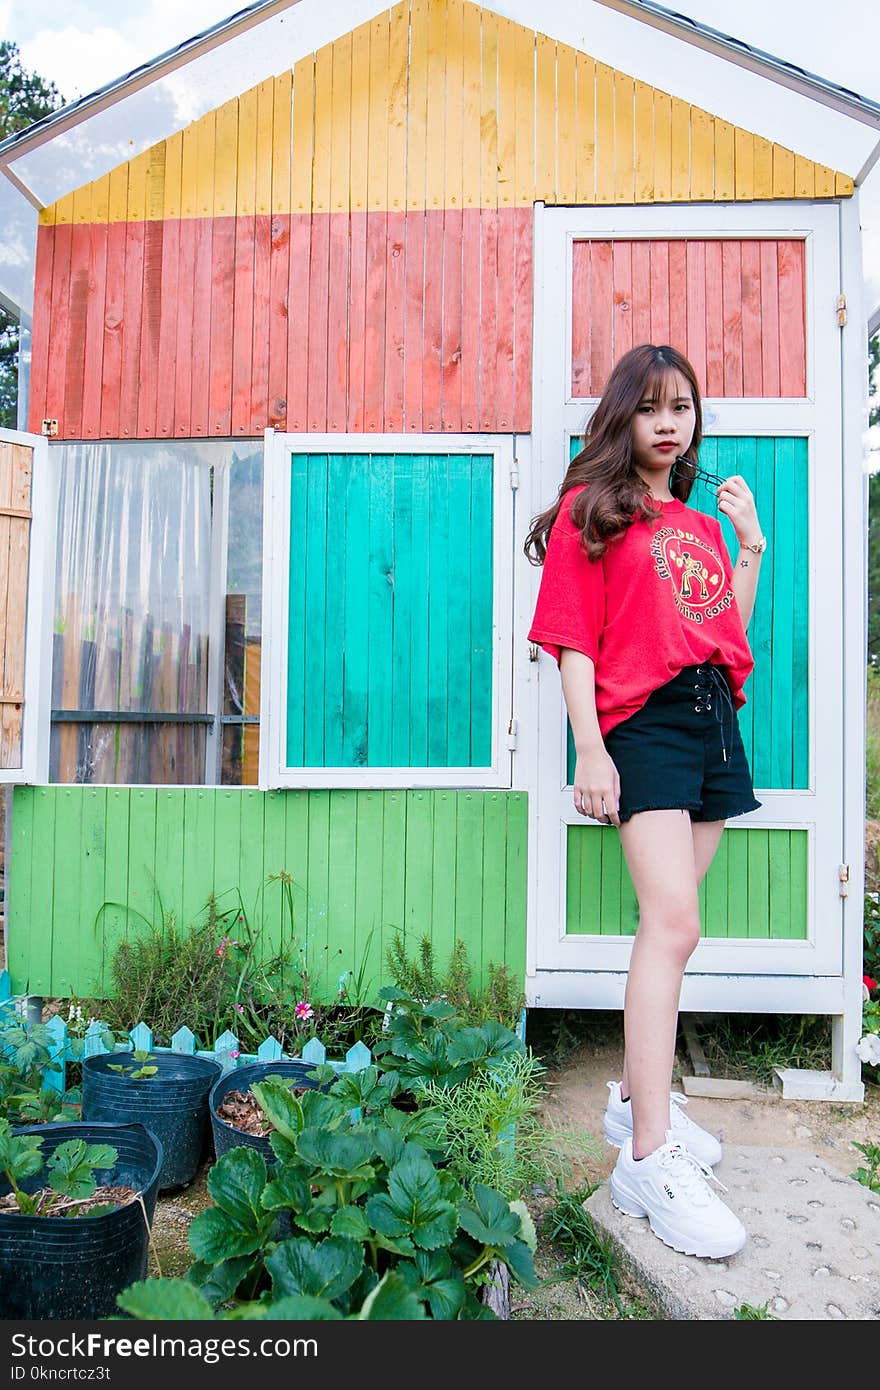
(694, 569)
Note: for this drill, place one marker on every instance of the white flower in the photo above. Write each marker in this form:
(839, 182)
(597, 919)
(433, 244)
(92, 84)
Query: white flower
(869, 1049)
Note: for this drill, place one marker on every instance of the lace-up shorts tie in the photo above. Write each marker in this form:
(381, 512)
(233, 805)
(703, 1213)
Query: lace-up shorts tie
(683, 751)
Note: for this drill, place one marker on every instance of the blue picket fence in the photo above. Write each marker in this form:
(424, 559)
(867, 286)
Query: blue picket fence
(227, 1050)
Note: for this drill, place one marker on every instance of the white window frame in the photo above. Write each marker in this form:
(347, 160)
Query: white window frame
(557, 415)
(274, 772)
(36, 713)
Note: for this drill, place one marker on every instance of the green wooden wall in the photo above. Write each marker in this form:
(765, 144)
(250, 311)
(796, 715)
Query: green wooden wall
(775, 720)
(448, 863)
(390, 616)
(756, 886)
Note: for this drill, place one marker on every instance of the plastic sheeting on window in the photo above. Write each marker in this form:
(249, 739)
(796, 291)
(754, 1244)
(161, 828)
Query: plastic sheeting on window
(132, 609)
(243, 646)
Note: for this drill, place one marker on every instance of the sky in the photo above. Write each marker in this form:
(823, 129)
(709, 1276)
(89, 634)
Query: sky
(83, 44)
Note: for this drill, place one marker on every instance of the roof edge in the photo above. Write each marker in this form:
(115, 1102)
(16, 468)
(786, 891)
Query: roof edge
(808, 84)
(40, 132)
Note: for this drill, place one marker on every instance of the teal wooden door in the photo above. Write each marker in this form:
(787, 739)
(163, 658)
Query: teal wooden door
(387, 639)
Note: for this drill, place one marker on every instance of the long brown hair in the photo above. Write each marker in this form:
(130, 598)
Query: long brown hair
(618, 496)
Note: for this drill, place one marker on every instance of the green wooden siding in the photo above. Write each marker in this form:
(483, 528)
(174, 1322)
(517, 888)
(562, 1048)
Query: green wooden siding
(756, 886)
(390, 610)
(775, 720)
(447, 863)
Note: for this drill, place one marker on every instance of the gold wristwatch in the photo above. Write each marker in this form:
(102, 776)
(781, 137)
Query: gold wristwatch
(759, 548)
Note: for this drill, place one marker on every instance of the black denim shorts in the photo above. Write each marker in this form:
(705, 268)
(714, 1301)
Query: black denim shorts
(683, 750)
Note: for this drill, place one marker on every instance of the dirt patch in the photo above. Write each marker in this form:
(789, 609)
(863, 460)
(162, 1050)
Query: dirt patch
(55, 1204)
(171, 1223)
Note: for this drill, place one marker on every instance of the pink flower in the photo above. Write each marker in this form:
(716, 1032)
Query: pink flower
(235, 1056)
(303, 1010)
(239, 1008)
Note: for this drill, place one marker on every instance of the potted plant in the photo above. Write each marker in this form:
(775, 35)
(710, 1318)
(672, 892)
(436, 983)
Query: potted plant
(62, 1256)
(166, 1091)
(236, 1116)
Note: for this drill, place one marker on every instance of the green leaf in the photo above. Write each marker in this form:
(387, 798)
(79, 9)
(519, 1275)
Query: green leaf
(290, 1189)
(217, 1283)
(468, 1045)
(71, 1167)
(489, 1218)
(518, 1257)
(389, 1145)
(442, 1283)
(341, 1156)
(413, 1205)
(325, 1270)
(236, 1183)
(391, 1299)
(20, 1154)
(215, 1237)
(527, 1226)
(281, 1108)
(299, 1308)
(351, 1223)
(165, 1300)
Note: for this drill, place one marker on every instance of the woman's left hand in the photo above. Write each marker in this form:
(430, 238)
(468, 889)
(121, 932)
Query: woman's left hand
(735, 500)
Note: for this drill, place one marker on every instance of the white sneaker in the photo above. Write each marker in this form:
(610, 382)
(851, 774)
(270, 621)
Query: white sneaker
(669, 1187)
(698, 1141)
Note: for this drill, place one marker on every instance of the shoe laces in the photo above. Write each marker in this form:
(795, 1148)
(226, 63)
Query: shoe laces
(676, 1114)
(691, 1174)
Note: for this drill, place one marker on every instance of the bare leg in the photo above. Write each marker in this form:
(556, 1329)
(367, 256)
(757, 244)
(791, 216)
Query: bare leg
(706, 839)
(660, 856)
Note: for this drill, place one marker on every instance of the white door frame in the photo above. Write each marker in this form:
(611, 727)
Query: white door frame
(817, 417)
(36, 714)
(276, 549)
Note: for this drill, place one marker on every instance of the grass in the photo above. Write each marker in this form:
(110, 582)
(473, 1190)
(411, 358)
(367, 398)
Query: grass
(589, 1256)
(749, 1046)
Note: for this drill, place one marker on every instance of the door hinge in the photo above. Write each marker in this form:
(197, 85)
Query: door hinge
(511, 734)
(843, 877)
(514, 475)
(841, 310)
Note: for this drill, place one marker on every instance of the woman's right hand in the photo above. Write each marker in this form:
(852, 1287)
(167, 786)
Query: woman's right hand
(597, 786)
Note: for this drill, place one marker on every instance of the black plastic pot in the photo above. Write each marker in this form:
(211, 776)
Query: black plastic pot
(173, 1105)
(72, 1268)
(226, 1136)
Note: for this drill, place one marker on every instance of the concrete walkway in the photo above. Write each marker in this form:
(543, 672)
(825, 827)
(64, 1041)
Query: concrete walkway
(813, 1251)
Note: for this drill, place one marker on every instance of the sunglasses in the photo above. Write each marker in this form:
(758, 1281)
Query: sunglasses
(696, 472)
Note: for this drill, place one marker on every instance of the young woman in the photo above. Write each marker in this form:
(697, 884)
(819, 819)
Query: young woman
(642, 609)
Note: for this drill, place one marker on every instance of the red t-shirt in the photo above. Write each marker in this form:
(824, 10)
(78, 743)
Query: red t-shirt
(659, 599)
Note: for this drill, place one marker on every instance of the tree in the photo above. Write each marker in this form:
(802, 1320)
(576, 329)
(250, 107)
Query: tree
(24, 98)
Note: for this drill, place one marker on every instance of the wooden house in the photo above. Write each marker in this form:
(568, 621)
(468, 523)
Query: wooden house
(303, 369)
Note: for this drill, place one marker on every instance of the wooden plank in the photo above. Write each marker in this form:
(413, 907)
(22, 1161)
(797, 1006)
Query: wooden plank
(800, 543)
(279, 251)
(601, 335)
(641, 292)
(319, 270)
(621, 298)
(482, 540)
(151, 318)
(731, 273)
(131, 327)
(380, 609)
(725, 170)
(493, 881)
(336, 296)
(452, 315)
(783, 172)
(696, 308)
(401, 609)
(304, 141)
(744, 165)
(334, 603)
(488, 368)
(545, 108)
(784, 567)
(355, 571)
(453, 114)
(419, 605)
(59, 325)
(680, 189)
(506, 111)
(792, 327)
(249, 330)
(752, 318)
(769, 319)
(714, 320)
(415, 290)
(585, 139)
(566, 125)
(763, 168)
(368, 956)
(643, 191)
(624, 154)
(677, 300)
(659, 292)
(702, 155)
(460, 641)
(395, 316)
(260, 412)
(314, 555)
(220, 327)
(437, 693)
(202, 277)
(42, 891)
(170, 270)
(662, 148)
(581, 317)
(78, 306)
(14, 548)
(417, 107)
(522, 321)
(504, 380)
(604, 134)
(42, 326)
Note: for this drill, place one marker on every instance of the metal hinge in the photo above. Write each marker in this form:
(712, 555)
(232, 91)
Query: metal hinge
(511, 734)
(514, 475)
(841, 310)
(49, 429)
(843, 876)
